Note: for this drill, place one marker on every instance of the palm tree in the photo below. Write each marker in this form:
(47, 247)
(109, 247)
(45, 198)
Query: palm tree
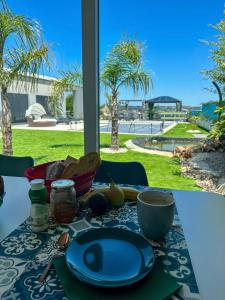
(151, 111)
(24, 56)
(109, 102)
(123, 68)
(67, 83)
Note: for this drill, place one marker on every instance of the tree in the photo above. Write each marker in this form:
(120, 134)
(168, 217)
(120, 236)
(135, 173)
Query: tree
(217, 73)
(109, 102)
(123, 68)
(69, 104)
(24, 56)
(220, 102)
(67, 83)
(151, 111)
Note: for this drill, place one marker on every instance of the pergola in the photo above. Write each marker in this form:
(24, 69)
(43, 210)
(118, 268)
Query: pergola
(164, 99)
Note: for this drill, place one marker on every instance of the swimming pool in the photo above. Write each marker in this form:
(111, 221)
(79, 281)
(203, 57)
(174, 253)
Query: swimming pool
(137, 128)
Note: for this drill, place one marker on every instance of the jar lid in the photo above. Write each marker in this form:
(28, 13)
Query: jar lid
(37, 184)
(62, 183)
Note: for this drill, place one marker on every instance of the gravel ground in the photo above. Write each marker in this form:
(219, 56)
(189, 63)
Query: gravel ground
(208, 169)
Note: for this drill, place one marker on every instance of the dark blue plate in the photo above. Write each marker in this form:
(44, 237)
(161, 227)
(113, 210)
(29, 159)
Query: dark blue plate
(110, 257)
(1, 199)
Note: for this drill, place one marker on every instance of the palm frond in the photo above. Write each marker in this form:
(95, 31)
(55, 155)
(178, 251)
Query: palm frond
(217, 49)
(22, 63)
(123, 66)
(125, 53)
(68, 82)
(27, 55)
(26, 31)
(138, 81)
(4, 5)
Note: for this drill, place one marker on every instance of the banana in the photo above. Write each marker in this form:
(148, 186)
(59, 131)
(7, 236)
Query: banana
(130, 194)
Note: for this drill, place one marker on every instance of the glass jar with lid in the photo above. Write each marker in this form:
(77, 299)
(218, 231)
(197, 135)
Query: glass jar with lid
(63, 201)
(39, 209)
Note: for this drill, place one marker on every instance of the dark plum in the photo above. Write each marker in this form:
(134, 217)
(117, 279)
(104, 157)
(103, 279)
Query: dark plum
(98, 204)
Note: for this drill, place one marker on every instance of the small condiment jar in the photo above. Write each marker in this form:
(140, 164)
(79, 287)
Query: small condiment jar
(63, 203)
(39, 208)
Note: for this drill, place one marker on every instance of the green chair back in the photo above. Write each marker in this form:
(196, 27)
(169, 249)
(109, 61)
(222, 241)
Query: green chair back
(122, 172)
(14, 165)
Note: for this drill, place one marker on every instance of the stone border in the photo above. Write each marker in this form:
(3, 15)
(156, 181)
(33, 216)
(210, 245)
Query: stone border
(109, 150)
(169, 127)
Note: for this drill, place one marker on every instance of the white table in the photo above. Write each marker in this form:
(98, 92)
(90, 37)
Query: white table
(202, 216)
(16, 204)
(203, 220)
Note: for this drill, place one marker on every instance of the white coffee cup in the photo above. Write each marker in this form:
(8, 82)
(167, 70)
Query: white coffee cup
(155, 212)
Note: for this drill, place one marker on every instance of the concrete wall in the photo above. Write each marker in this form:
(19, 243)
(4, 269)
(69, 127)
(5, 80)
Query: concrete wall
(204, 124)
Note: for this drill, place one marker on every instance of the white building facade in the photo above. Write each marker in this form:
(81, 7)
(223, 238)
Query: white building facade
(22, 95)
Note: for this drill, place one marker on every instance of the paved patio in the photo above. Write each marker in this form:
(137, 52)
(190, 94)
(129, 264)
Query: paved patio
(79, 126)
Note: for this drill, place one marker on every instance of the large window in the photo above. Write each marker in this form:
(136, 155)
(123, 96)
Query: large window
(151, 55)
(61, 27)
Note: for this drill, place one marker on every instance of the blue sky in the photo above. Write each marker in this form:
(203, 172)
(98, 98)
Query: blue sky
(172, 31)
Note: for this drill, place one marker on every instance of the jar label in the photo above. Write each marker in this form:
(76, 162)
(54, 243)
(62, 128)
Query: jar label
(38, 215)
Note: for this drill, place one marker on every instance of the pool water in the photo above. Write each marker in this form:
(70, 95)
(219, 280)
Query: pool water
(136, 128)
(165, 145)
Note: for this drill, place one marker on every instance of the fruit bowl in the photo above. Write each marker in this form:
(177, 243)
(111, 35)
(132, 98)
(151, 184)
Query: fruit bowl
(82, 183)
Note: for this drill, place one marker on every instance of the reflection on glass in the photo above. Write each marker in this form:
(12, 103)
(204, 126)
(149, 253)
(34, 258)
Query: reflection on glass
(93, 257)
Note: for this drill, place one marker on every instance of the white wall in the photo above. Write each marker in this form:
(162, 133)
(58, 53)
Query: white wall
(31, 99)
(42, 88)
(78, 104)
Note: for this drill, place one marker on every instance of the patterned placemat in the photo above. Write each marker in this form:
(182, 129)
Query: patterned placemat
(24, 255)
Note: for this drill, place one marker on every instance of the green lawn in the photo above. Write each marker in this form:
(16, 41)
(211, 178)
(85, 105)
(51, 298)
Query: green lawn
(46, 146)
(180, 130)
